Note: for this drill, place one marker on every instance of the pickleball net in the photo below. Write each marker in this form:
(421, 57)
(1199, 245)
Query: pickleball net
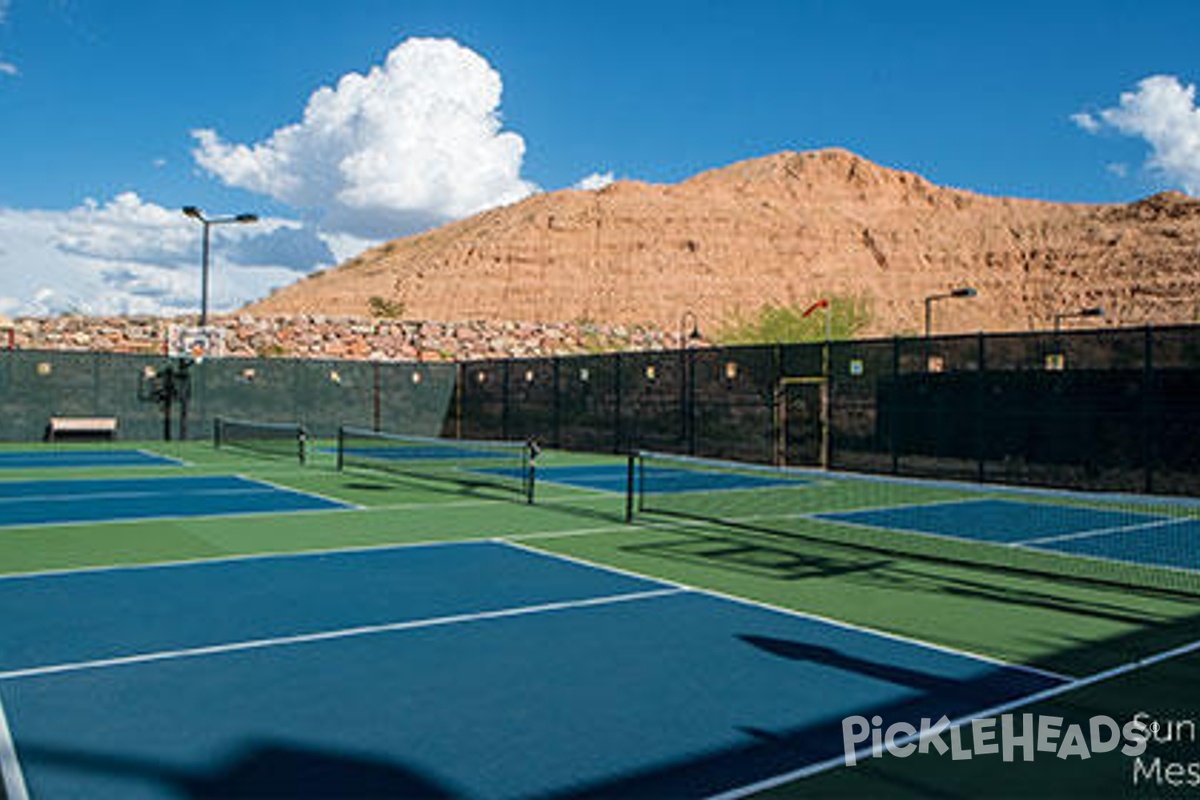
(844, 522)
(506, 466)
(272, 439)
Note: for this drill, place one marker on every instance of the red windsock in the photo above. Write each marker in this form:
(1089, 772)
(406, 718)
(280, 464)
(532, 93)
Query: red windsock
(822, 303)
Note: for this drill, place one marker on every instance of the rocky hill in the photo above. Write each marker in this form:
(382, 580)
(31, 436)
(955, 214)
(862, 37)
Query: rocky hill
(786, 229)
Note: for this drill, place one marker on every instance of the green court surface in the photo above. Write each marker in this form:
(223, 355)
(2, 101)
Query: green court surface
(1122, 648)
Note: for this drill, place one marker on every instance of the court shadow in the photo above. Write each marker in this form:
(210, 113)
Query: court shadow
(261, 770)
(1115, 609)
(408, 485)
(742, 555)
(827, 656)
(364, 486)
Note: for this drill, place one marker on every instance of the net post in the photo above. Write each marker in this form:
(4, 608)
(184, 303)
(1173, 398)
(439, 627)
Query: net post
(302, 443)
(341, 448)
(217, 433)
(631, 468)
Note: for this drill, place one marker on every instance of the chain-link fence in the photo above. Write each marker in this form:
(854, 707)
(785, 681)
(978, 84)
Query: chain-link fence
(1105, 410)
(154, 397)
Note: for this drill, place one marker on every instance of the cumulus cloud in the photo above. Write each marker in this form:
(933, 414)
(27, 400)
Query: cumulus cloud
(597, 180)
(413, 143)
(125, 228)
(1162, 111)
(130, 256)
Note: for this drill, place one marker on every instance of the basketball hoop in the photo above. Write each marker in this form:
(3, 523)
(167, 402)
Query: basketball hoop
(196, 343)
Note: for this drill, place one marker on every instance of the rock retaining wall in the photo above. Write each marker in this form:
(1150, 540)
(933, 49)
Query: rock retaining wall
(311, 336)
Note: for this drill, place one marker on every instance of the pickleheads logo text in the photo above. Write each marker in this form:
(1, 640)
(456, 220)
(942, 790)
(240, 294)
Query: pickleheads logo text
(1004, 736)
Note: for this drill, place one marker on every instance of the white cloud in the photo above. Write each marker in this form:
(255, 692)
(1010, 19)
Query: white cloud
(125, 228)
(129, 256)
(596, 180)
(1087, 122)
(1163, 112)
(6, 67)
(413, 143)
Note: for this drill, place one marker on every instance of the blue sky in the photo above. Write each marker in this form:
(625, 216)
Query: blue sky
(115, 113)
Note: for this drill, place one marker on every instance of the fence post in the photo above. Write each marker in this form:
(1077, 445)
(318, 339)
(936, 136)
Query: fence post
(555, 377)
(376, 397)
(460, 386)
(617, 415)
(894, 411)
(981, 406)
(778, 433)
(504, 396)
(689, 408)
(1147, 410)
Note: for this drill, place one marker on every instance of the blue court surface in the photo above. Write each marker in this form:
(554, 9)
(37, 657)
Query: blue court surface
(53, 502)
(469, 670)
(41, 459)
(659, 480)
(1120, 535)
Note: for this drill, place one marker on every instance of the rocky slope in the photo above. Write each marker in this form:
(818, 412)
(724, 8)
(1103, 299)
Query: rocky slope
(785, 229)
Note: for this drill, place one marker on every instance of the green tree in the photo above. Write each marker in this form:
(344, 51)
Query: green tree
(384, 308)
(774, 324)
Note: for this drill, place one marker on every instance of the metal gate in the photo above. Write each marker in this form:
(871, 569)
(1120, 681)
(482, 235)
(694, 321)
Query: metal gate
(802, 422)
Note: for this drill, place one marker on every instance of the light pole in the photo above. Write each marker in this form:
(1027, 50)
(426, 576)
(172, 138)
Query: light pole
(687, 399)
(962, 291)
(684, 335)
(198, 215)
(1095, 311)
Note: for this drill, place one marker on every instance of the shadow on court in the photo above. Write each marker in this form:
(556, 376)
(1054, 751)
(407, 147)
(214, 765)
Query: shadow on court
(264, 769)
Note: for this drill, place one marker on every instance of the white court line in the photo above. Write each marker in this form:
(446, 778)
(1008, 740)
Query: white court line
(178, 461)
(265, 488)
(10, 766)
(76, 523)
(279, 487)
(1004, 708)
(791, 612)
(330, 635)
(564, 534)
(423, 505)
(201, 561)
(1066, 537)
(75, 497)
(669, 525)
(434, 541)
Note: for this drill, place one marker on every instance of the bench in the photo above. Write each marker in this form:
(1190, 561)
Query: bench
(81, 428)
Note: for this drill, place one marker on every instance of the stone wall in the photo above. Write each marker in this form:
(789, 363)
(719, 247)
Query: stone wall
(312, 336)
